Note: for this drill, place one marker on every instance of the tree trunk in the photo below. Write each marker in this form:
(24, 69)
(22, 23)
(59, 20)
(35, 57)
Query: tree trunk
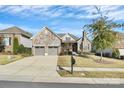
(101, 56)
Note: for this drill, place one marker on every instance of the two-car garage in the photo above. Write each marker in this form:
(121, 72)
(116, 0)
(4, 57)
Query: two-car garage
(51, 50)
(45, 43)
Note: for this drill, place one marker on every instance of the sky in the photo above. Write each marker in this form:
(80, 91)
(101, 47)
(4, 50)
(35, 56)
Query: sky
(59, 18)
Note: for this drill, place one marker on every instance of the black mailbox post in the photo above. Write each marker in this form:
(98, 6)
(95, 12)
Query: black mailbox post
(72, 63)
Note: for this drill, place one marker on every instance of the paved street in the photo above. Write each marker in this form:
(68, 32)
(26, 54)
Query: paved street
(15, 84)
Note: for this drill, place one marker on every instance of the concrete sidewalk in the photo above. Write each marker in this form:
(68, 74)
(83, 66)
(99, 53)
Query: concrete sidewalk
(94, 69)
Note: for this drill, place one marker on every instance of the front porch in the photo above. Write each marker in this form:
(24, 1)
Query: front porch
(67, 48)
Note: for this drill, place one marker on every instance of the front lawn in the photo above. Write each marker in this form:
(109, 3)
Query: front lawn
(5, 59)
(92, 74)
(91, 61)
(64, 60)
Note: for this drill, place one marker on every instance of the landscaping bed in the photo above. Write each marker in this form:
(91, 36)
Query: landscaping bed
(91, 61)
(5, 59)
(92, 74)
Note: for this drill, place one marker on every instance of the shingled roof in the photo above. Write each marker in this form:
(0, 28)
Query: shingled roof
(15, 30)
(73, 36)
(61, 35)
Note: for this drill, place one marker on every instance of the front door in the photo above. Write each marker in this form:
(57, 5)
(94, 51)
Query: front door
(74, 47)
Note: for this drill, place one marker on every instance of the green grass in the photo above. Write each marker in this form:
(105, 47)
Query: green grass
(4, 59)
(92, 74)
(91, 61)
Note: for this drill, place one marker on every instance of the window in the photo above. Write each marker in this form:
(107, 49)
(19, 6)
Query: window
(7, 41)
(68, 38)
(85, 47)
(88, 46)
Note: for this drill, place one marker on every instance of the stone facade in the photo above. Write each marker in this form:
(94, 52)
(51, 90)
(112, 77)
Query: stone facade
(68, 43)
(46, 38)
(84, 44)
(47, 41)
(67, 38)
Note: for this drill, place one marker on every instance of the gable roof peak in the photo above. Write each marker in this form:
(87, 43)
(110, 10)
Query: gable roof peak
(15, 30)
(13, 27)
(43, 28)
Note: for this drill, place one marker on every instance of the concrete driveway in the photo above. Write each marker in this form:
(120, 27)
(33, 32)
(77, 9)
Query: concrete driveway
(30, 69)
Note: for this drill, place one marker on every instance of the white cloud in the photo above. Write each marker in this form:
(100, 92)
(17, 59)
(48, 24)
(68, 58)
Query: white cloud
(31, 30)
(3, 26)
(75, 31)
(113, 11)
(84, 12)
(87, 12)
(39, 11)
(118, 15)
(25, 10)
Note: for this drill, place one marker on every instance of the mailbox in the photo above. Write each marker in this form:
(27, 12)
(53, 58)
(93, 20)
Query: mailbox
(72, 63)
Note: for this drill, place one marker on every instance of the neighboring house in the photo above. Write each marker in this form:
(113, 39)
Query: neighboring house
(119, 44)
(47, 42)
(9, 34)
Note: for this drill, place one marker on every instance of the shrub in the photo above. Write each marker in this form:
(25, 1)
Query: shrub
(24, 51)
(21, 49)
(2, 48)
(70, 53)
(15, 45)
(28, 52)
(115, 53)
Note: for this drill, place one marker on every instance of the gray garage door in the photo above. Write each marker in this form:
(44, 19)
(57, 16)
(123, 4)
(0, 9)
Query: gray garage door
(39, 50)
(52, 50)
